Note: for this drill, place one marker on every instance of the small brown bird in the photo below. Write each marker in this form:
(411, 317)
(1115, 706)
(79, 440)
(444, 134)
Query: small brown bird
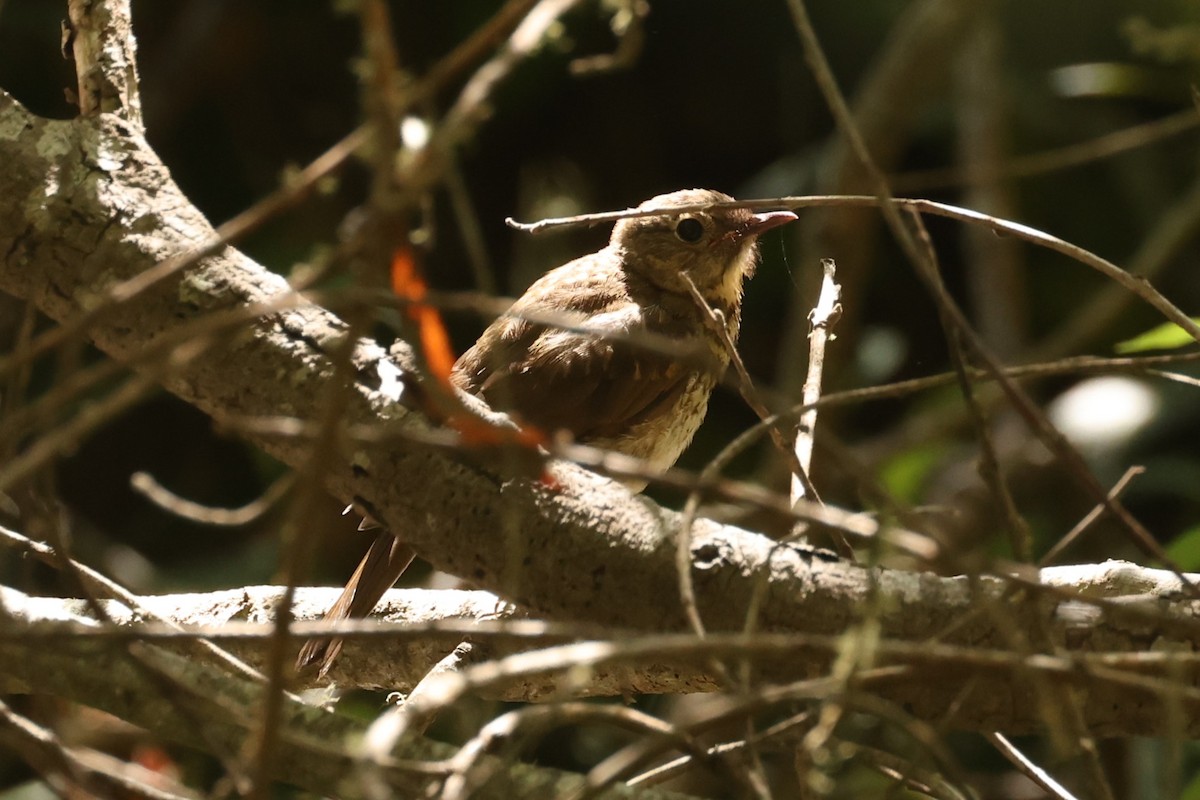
(606, 392)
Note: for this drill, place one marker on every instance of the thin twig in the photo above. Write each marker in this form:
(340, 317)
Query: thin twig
(1080, 527)
(149, 487)
(1059, 158)
(821, 320)
(101, 585)
(1028, 768)
(1020, 537)
(717, 323)
(628, 25)
(1132, 283)
(77, 771)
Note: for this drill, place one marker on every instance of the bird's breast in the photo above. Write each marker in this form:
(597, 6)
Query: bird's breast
(661, 439)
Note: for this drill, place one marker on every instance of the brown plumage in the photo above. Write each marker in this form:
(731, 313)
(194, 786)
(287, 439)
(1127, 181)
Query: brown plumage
(605, 392)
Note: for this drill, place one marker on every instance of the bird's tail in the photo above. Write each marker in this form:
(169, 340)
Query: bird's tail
(378, 571)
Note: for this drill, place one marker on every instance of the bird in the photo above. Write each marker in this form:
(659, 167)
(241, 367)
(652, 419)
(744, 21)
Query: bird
(593, 382)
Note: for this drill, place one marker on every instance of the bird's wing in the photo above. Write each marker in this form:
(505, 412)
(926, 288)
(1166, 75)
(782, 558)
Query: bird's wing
(595, 388)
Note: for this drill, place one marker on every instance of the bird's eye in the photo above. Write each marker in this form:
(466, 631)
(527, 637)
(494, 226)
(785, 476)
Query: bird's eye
(689, 229)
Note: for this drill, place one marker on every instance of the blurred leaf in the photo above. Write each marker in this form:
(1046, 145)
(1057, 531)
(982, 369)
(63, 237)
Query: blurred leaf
(905, 475)
(1116, 80)
(1191, 790)
(1167, 336)
(1184, 550)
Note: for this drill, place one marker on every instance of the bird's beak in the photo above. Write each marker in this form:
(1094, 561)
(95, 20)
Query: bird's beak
(761, 223)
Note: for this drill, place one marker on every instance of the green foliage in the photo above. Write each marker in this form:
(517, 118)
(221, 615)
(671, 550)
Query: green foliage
(1167, 336)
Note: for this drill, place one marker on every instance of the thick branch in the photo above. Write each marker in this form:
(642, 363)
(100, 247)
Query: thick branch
(85, 206)
(197, 704)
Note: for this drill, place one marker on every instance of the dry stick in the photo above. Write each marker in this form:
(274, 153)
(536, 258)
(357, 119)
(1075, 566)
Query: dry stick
(1028, 768)
(683, 538)
(1133, 283)
(433, 161)
(1020, 538)
(121, 399)
(620, 764)
(388, 728)
(822, 319)
(105, 61)
(1085, 364)
(1089, 518)
(616, 766)
(814, 55)
(264, 741)
(994, 270)
(89, 581)
(472, 107)
(1171, 233)
(382, 105)
(904, 772)
(1072, 155)
(1173, 230)
(390, 199)
(101, 585)
(1062, 448)
(71, 432)
(628, 24)
(15, 388)
(484, 39)
(165, 353)
(466, 775)
(423, 168)
(716, 322)
(1068, 713)
(989, 467)
(78, 771)
(470, 230)
(148, 486)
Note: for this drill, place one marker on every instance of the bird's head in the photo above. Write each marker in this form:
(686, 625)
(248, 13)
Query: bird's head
(716, 248)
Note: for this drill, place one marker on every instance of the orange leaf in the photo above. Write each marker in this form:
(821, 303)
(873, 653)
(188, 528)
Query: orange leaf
(408, 284)
(438, 354)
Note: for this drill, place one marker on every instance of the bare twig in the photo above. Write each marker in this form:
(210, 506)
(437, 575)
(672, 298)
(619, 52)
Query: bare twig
(1028, 768)
(629, 26)
(164, 498)
(822, 319)
(1020, 537)
(75, 770)
(1132, 283)
(101, 585)
(1059, 158)
(717, 323)
(1097, 511)
(459, 124)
